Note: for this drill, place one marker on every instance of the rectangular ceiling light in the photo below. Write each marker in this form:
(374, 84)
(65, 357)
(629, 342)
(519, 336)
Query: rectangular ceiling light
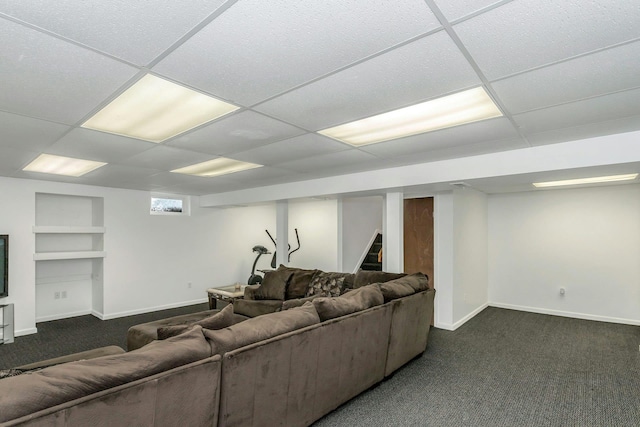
(595, 180)
(464, 107)
(154, 109)
(48, 163)
(216, 167)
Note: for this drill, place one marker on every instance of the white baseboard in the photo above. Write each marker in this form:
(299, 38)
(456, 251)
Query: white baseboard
(62, 316)
(469, 316)
(465, 319)
(566, 314)
(27, 331)
(148, 309)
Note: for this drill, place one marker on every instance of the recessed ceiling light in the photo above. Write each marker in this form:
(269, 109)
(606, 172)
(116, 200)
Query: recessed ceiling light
(215, 167)
(154, 109)
(611, 178)
(48, 163)
(464, 107)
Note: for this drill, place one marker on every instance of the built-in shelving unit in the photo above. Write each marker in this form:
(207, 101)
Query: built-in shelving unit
(6, 323)
(69, 251)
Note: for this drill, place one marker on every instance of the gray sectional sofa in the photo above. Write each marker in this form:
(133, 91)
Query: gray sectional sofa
(289, 367)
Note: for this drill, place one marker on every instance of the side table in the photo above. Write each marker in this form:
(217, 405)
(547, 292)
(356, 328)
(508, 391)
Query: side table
(228, 294)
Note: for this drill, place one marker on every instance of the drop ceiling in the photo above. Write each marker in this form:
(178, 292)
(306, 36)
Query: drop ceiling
(559, 71)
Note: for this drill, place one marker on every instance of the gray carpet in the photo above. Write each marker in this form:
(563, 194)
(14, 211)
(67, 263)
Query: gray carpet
(502, 368)
(510, 368)
(66, 336)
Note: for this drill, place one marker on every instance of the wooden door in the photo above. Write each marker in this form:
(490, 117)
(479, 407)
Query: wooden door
(418, 237)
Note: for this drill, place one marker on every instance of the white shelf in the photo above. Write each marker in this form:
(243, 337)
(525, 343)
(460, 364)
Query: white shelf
(48, 256)
(51, 229)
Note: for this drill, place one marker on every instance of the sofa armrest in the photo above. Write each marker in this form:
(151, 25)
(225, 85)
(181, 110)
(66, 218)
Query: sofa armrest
(249, 292)
(253, 308)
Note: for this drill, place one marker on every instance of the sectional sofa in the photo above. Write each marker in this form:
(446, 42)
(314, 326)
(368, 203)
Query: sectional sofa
(288, 367)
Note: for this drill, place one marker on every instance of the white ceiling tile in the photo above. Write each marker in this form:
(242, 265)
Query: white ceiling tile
(13, 160)
(453, 10)
(607, 71)
(257, 49)
(114, 175)
(99, 146)
(328, 161)
(204, 186)
(295, 148)
(136, 31)
(51, 79)
(367, 89)
(166, 158)
(600, 109)
(466, 135)
(27, 133)
(238, 132)
(523, 34)
(587, 130)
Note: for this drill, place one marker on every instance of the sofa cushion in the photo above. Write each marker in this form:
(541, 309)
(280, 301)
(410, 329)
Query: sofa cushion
(418, 281)
(29, 393)
(326, 284)
(261, 328)
(297, 302)
(254, 308)
(393, 290)
(366, 277)
(273, 286)
(218, 320)
(298, 282)
(356, 300)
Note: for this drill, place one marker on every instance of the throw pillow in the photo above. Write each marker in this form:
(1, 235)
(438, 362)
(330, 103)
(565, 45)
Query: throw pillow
(298, 282)
(297, 302)
(261, 328)
(352, 301)
(393, 290)
(326, 284)
(274, 285)
(219, 320)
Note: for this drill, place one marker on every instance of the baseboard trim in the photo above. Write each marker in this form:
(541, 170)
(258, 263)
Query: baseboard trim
(62, 316)
(465, 319)
(566, 314)
(469, 316)
(149, 309)
(27, 331)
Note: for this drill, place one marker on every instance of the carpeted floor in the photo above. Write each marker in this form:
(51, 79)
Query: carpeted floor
(510, 368)
(502, 368)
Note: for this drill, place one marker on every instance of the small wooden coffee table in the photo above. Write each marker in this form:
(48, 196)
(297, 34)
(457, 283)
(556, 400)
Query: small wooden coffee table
(228, 294)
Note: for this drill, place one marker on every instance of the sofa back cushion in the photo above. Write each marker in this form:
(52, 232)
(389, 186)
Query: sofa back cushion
(218, 320)
(365, 277)
(29, 393)
(261, 328)
(298, 281)
(274, 285)
(356, 300)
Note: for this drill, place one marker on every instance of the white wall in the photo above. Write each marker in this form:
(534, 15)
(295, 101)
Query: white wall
(470, 254)
(361, 217)
(585, 240)
(317, 224)
(150, 259)
(460, 246)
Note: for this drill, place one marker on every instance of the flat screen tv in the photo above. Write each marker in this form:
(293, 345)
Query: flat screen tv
(4, 265)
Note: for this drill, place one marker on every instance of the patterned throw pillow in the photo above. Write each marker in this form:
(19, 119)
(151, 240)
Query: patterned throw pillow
(326, 284)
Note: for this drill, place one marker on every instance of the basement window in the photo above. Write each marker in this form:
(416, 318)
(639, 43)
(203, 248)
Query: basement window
(169, 205)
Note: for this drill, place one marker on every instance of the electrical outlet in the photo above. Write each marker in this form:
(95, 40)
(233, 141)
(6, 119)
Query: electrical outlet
(63, 294)
(56, 295)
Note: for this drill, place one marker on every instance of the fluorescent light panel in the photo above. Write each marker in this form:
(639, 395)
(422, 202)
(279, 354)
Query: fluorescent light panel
(216, 167)
(154, 109)
(59, 165)
(464, 107)
(599, 179)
